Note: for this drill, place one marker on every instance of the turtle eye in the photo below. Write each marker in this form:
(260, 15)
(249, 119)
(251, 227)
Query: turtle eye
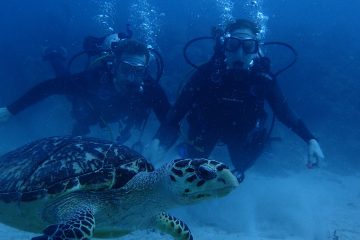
(206, 172)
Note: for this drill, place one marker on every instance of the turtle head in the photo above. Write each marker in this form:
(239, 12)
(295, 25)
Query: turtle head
(193, 180)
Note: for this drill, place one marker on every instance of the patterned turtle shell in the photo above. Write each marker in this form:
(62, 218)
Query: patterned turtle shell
(58, 165)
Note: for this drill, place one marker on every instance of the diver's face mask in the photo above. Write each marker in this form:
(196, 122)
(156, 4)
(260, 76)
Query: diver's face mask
(241, 48)
(130, 72)
(249, 46)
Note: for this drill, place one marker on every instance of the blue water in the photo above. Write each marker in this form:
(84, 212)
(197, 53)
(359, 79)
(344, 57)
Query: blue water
(323, 87)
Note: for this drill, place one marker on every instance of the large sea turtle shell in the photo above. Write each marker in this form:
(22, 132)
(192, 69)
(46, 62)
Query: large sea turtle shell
(58, 165)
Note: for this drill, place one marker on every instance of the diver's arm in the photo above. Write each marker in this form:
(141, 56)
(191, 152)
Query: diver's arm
(187, 97)
(160, 105)
(160, 102)
(288, 117)
(285, 114)
(169, 129)
(39, 92)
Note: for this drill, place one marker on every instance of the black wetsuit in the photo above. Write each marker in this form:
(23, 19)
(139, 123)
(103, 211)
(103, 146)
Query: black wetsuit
(95, 100)
(230, 110)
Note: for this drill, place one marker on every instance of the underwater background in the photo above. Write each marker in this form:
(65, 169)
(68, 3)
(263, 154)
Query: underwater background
(280, 198)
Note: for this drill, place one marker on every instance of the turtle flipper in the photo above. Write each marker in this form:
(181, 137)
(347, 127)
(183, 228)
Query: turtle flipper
(80, 227)
(173, 226)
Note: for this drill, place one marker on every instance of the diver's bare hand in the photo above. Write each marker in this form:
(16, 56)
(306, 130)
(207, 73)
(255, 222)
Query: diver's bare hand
(4, 114)
(315, 154)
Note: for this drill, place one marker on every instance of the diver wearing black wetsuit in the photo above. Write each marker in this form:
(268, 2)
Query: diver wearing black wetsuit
(99, 100)
(225, 102)
(96, 98)
(232, 111)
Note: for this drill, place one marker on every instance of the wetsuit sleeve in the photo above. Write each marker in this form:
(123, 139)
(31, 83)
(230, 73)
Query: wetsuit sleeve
(41, 91)
(284, 113)
(160, 103)
(169, 129)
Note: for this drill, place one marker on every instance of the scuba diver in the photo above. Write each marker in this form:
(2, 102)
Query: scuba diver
(116, 88)
(224, 101)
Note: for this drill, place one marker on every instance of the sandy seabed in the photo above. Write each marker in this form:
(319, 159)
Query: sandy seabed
(313, 205)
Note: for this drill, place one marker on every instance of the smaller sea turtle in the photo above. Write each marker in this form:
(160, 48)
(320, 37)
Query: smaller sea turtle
(79, 188)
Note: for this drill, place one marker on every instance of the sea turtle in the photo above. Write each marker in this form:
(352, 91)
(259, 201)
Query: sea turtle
(79, 188)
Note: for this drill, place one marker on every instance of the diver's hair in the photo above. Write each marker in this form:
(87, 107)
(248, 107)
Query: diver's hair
(243, 23)
(130, 46)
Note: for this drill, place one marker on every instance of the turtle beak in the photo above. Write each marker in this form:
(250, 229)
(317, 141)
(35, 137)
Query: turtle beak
(206, 172)
(229, 180)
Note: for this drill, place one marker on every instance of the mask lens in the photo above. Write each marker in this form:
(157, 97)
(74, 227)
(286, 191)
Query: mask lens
(232, 44)
(249, 46)
(131, 71)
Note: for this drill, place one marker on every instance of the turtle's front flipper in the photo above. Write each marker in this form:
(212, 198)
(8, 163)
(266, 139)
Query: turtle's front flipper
(173, 226)
(80, 226)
